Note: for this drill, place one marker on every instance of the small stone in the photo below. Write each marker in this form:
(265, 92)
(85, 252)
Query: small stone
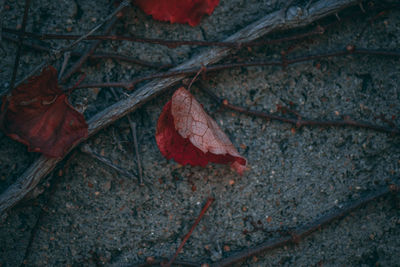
(107, 186)
(150, 259)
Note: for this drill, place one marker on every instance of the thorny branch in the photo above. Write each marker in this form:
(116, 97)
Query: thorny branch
(305, 230)
(284, 62)
(169, 43)
(300, 121)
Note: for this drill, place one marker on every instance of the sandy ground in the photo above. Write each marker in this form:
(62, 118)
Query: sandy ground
(93, 215)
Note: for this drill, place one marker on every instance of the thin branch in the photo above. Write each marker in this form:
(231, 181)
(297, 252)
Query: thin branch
(170, 43)
(158, 262)
(185, 239)
(80, 38)
(300, 121)
(97, 55)
(305, 230)
(66, 59)
(132, 124)
(20, 40)
(54, 54)
(77, 65)
(349, 50)
(271, 22)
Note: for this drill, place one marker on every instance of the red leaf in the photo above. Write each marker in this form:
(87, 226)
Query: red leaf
(39, 115)
(180, 11)
(188, 135)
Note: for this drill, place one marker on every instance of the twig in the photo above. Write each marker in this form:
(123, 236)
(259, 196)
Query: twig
(98, 55)
(43, 165)
(300, 121)
(158, 262)
(132, 125)
(305, 230)
(124, 4)
(170, 43)
(349, 50)
(67, 57)
(136, 146)
(19, 48)
(185, 239)
(87, 150)
(77, 65)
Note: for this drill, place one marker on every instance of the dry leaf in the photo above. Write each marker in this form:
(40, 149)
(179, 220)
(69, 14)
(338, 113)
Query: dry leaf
(188, 135)
(39, 115)
(178, 11)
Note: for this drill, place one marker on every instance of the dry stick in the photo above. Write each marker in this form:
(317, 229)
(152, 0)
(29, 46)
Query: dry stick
(19, 48)
(56, 53)
(218, 67)
(300, 121)
(89, 151)
(170, 43)
(271, 22)
(210, 200)
(305, 230)
(97, 55)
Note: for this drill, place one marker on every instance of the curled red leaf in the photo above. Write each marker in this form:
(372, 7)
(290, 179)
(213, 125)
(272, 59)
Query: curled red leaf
(178, 11)
(39, 115)
(188, 135)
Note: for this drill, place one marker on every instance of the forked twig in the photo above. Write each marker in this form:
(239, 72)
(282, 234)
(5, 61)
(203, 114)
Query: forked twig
(89, 151)
(89, 51)
(271, 22)
(56, 53)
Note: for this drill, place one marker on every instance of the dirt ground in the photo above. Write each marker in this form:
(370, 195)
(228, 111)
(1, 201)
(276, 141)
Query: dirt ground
(92, 215)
